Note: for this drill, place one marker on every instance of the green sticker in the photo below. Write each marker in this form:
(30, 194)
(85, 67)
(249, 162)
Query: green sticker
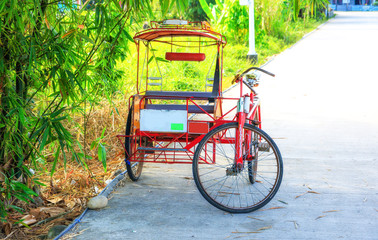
(177, 126)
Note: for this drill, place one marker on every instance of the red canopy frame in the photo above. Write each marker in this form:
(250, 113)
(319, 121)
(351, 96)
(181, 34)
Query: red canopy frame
(165, 33)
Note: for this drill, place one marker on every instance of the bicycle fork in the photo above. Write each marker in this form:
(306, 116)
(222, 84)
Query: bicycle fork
(243, 107)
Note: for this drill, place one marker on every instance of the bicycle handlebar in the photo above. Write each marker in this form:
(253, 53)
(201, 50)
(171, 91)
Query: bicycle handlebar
(256, 68)
(240, 77)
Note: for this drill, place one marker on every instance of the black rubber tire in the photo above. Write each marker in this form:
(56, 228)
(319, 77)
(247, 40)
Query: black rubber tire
(134, 169)
(261, 192)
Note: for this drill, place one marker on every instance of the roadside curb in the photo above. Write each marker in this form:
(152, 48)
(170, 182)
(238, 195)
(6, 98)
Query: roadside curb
(105, 192)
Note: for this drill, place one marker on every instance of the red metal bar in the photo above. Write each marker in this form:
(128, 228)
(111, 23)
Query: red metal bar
(227, 113)
(239, 139)
(138, 48)
(147, 60)
(221, 73)
(201, 109)
(194, 142)
(259, 115)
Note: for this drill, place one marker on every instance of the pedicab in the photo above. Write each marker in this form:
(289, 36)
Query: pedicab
(236, 166)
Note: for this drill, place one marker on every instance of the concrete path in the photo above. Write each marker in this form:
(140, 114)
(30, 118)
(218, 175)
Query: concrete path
(322, 111)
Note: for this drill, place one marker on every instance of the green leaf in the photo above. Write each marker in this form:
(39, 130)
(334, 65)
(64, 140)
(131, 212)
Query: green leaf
(24, 188)
(128, 36)
(97, 15)
(36, 133)
(39, 183)
(56, 156)
(22, 222)
(164, 6)
(56, 113)
(44, 138)
(94, 144)
(21, 196)
(207, 9)
(84, 6)
(103, 132)
(18, 209)
(150, 60)
(86, 37)
(161, 59)
(102, 155)
(117, 110)
(11, 112)
(219, 4)
(117, 4)
(58, 119)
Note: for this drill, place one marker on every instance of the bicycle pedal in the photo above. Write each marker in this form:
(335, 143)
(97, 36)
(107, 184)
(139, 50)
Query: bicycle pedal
(264, 147)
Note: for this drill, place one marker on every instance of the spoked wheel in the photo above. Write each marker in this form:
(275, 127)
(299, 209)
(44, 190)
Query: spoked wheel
(228, 187)
(134, 169)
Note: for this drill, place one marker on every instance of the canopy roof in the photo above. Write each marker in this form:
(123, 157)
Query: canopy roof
(160, 30)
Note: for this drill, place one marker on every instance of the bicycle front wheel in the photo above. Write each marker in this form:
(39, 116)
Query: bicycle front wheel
(227, 186)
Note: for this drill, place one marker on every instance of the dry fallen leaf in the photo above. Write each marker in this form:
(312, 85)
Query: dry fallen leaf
(70, 203)
(270, 208)
(55, 199)
(322, 216)
(308, 186)
(300, 195)
(37, 213)
(283, 202)
(306, 193)
(28, 220)
(7, 228)
(52, 211)
(255, 218)
(264, 228)
(296, 225)
(331, 211)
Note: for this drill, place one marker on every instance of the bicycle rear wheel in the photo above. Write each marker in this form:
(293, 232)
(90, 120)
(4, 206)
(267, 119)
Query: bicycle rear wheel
(134, 169)
(228, 187)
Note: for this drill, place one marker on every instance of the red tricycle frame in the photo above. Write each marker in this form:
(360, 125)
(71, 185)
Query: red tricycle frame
(224, 144)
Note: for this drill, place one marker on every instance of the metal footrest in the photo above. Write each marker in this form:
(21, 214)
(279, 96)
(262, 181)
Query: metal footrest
(162, 149)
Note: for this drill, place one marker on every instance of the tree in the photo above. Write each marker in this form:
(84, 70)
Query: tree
(54, 57)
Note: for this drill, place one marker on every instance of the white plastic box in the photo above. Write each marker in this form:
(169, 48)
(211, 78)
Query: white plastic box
(163, 120)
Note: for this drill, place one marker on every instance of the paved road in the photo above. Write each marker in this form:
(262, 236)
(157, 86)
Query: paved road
(322, 111)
